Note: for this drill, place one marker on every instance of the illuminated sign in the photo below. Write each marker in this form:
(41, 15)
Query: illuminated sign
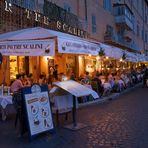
(12, 9)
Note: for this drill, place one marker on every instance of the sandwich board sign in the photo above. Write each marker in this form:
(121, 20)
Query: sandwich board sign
(38, 110)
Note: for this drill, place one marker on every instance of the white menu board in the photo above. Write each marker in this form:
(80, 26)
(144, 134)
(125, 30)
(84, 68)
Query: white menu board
(39, 112)
(76, 89)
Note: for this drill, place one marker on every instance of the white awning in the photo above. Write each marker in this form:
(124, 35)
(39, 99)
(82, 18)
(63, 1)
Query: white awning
(72, 46)
(111, 51)
(66, 43)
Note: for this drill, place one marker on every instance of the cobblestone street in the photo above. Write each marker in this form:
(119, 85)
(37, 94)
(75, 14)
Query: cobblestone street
(119, 123)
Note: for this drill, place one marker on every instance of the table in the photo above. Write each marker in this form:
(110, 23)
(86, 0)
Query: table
(4, 101)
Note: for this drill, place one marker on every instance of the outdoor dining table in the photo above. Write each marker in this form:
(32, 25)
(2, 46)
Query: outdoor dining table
(4, 101)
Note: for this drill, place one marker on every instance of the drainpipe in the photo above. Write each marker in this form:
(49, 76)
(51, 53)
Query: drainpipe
(78, 9)
(143, 27)
(85, 4)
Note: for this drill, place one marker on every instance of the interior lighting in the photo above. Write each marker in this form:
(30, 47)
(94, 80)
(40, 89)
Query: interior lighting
(97, 58)
(121, 60)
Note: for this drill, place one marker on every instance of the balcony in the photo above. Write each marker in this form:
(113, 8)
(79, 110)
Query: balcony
(128, 35)
(129, 45)
(124, 22)
(121, 42)
(123, 16)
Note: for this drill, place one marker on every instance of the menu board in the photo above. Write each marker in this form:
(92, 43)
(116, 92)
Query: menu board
(38, 112)
(76, 89)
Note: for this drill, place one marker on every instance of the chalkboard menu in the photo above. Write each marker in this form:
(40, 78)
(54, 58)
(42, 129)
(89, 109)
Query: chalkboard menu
(38, 109)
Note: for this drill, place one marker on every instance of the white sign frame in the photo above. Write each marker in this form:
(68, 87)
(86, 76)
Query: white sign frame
(28, 47)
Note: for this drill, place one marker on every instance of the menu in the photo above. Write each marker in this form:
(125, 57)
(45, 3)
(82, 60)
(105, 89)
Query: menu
(76, 88)
(39, 112)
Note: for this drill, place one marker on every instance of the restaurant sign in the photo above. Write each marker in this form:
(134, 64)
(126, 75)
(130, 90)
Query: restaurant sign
(44, 20)
(28, 48)
(72, 46)
(38, 109)
(76, 89)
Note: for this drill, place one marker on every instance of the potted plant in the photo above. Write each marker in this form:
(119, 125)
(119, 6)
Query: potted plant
(124, 56)
(101, 52)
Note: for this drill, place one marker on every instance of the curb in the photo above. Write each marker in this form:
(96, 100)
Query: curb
(108, 98)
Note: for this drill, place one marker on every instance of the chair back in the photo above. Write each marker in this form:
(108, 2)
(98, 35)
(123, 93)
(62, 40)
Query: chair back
(17, 100)
(95, 86)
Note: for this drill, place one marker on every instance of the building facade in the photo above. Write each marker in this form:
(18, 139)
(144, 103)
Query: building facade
(122, 23)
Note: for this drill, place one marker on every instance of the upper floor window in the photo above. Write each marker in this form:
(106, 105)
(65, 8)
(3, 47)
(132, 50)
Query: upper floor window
(107, 5)
(67, 7)
(138, 30)
(146, 18)
(94, 26)
(109, 30)
(30, 4)
(142, 34)
(146, 36)
(137, 4)
(123, 10)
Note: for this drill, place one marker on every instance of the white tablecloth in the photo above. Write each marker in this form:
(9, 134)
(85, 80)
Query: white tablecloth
(5, 100)
(107, 85)
(64, 103)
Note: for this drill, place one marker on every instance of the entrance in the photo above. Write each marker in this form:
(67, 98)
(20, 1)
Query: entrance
(18, 64)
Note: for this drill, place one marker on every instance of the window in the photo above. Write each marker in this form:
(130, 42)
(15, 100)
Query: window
(138, 30)
(146, 38)
(109, 30)
(145, 18)
(142, 33)
(107, 5)
(137, 4)
(30, 4)
(67, 7)
(94, 27)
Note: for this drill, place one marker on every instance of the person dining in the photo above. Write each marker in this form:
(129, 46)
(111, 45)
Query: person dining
(86, 79)
(111, 80)
(99, 88)
(42, 79)
(119, 81)
(17, 84)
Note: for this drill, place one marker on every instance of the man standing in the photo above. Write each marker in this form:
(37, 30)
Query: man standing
(55, 72)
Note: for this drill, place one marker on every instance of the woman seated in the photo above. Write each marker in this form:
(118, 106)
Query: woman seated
(125, 79)
(86, 79)
(111, 80)
(107, 87)
(119, 84)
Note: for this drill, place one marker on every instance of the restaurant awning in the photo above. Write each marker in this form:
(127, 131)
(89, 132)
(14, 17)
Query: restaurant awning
(41, 42)
(111, 51)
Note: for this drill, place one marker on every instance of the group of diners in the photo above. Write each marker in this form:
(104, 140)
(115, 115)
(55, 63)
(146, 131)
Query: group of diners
(102, 83)
(105, 83)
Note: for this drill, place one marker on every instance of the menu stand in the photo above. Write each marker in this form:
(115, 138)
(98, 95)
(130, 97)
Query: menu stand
(77, 90)
(75, 126)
